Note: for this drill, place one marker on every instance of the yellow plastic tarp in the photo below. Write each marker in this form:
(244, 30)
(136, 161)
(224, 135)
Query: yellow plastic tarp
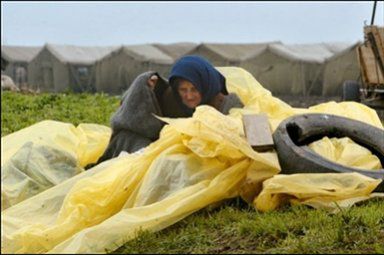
(43, 155)
(330, 191)
(346, 152)
(196, 162)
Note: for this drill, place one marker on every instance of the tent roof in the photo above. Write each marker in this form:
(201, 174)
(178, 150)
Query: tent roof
(345, 50)
(336, 47)
(236, 51)
(175, 50)
(19, 53)
(316, 53)
(147, 52)
(82, 55)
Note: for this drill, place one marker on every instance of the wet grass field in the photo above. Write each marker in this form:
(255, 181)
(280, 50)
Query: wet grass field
(234, 226)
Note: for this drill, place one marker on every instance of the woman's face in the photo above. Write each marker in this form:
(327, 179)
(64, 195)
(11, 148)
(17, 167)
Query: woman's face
(190, 96)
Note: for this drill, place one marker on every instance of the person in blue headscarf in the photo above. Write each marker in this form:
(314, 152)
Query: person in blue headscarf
(193, 81)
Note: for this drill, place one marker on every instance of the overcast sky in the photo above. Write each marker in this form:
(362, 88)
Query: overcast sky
(116, 23)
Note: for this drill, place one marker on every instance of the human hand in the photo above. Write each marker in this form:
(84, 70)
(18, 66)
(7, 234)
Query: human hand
(152, 81)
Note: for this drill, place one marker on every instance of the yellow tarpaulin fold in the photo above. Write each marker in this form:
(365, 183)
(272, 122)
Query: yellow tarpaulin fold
(313, 189)
(45, 154)
(196, 162)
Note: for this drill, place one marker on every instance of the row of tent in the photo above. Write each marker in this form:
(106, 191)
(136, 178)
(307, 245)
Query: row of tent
(296, 69)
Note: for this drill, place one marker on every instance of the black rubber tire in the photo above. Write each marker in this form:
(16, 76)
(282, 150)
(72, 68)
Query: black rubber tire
(351, 91)
(294, 133)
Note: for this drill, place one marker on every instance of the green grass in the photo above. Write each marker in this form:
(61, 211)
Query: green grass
(233, 227)
(22, 110)
(297, 229)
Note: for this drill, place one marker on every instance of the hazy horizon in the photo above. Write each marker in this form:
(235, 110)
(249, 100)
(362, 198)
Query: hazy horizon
(118, 23)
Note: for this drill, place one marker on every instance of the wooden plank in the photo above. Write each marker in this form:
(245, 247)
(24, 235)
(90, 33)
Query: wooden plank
(378, 35)
(258, 132)
(371, 72)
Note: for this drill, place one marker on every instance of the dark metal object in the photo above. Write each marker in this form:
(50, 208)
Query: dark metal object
(293, 134)
(373, 13)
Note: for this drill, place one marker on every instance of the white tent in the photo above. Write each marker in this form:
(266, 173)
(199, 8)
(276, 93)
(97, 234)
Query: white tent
(65, 67)
(339, 68)
(295, 69)
(226, 54)
(175, 50)
(16, 59)
(116, 71)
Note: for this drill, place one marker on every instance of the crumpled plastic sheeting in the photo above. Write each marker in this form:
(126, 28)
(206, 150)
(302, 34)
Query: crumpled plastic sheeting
(109, 208)
(259, 100)
(345, 151)
(196, 162)
(43, 155)
(331, 191)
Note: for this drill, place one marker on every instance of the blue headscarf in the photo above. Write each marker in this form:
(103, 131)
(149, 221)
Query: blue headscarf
(197, 70)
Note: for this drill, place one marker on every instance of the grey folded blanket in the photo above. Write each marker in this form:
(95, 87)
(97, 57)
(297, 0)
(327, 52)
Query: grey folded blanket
(133, 125)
